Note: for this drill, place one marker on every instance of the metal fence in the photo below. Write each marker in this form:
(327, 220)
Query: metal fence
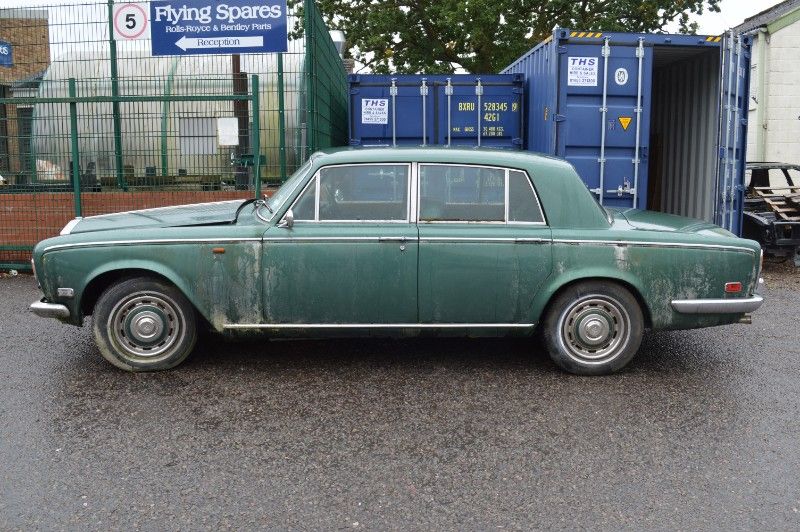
(90, 125)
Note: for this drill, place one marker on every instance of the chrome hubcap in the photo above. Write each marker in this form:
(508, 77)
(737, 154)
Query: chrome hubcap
(594, 329)
(146, 325)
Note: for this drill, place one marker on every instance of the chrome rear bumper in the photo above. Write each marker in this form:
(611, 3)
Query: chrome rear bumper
(49, 310)
(717, 306)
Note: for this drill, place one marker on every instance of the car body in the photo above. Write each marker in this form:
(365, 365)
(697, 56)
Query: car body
(400, 242)
(771, 215)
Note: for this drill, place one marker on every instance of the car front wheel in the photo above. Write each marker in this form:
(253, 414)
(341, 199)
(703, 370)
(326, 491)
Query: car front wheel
(144, 324)
(593, 328)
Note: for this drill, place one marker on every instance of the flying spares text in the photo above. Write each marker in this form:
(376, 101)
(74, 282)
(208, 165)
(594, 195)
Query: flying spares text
(219, 17)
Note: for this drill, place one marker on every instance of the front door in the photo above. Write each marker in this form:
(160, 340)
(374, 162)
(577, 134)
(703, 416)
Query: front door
(350, 257)
(485, 248)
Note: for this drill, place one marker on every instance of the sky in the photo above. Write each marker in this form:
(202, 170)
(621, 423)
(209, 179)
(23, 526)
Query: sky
(732, 13)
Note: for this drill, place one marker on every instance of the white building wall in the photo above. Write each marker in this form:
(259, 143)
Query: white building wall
(783, 89)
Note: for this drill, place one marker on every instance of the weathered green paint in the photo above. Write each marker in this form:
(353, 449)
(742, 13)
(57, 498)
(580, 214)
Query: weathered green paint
(309, 273)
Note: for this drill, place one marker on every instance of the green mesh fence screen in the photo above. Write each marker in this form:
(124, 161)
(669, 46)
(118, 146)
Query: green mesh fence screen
(90, 125)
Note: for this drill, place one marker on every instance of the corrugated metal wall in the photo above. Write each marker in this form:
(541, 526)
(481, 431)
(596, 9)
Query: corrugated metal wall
(683, 154)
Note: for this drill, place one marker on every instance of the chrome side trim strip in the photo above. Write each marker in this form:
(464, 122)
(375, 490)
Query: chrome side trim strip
(467, 239)
(717, 306)
(71, 225)
(377, 325)
(290, 239)
(652, 244)
(155, 242)
(49, 310)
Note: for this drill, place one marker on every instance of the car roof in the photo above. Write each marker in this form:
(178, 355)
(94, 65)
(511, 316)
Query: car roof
(353, 154)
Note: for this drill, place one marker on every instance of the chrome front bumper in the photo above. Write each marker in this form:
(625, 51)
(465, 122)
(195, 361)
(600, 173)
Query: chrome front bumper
(49, 310)
(720, 306)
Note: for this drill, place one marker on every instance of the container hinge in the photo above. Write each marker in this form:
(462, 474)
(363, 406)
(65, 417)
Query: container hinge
(601, 160)
(516, 141)
(559, 118)
(355, 142)
(562, 49)
(423, 89)
(640, 52)
(354, 90)
(517, 90)
(722, 152)
(603, 109)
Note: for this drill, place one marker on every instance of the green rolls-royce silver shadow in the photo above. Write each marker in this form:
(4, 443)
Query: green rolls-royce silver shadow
(399, 242)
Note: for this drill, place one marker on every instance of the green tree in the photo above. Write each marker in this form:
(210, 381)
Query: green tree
(481, 36)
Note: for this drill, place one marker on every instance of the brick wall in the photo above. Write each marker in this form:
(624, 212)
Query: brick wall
(25, 219)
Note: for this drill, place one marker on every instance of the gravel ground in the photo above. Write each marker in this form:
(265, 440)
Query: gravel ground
(700, 432)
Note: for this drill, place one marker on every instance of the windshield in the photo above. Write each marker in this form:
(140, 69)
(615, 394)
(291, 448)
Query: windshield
(287, 188)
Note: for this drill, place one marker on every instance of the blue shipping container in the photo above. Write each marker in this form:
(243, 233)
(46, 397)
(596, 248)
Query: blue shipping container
(419, 110)
(653, 121)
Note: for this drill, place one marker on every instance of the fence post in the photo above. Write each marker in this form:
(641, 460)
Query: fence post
(73, 135)
(281, 121)
(308, 23)
(256, 136)
(112, 48)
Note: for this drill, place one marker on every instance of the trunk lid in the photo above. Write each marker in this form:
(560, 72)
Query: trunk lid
(659, 221)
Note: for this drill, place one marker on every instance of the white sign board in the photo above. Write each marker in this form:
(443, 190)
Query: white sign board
(582, 71)
(228, 131)
(375, 111)
(131, 22)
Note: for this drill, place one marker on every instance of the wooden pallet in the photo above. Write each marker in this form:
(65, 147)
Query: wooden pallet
(786, 206)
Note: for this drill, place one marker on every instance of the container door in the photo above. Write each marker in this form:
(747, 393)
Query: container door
(479, 113)
(391, 112)
(732, 132)
(601, 127)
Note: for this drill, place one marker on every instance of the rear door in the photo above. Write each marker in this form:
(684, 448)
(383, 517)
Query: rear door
(603, 90)
(484, 248)
(732, 132)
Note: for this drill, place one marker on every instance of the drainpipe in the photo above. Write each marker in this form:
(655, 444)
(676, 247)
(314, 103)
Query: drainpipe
(763, 97)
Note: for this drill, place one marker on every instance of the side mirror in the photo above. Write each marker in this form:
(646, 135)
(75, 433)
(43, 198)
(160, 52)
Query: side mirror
(288, 220)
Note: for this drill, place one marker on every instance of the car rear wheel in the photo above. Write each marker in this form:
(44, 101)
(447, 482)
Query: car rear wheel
(593, 328)
(144, 324)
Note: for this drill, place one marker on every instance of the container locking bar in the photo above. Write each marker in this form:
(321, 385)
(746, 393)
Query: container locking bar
(624, 188)
(606, 51)
(393, 94)
(448, 90)
(423, 91)
(734, 159)
(479, 93)
(638, 111)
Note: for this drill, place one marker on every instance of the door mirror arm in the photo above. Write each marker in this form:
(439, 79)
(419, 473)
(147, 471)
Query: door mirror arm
(288, 220)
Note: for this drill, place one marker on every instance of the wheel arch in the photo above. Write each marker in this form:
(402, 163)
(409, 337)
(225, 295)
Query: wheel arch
(557, 286)
(99, 281)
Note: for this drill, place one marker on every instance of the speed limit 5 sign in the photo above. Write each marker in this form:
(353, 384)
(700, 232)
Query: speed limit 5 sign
(130, 22)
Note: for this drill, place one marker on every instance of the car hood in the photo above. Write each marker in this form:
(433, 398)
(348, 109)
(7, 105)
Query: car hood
(659, 221)
(221, 212)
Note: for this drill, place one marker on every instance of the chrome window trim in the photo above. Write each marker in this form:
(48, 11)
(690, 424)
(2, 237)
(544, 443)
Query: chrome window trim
(507, 171)
(317, 179)
(377, 325)
(151, 242)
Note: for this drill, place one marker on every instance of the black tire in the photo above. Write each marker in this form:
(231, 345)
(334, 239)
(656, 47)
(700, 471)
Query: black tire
(144, 324)
(593, 328)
